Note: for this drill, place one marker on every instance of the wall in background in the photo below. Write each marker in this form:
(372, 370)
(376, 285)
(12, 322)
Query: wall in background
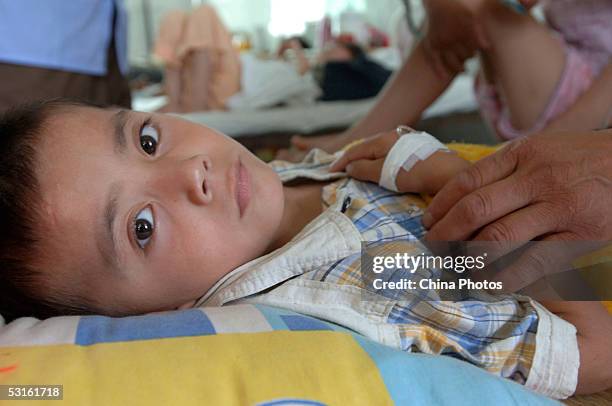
(256, 17)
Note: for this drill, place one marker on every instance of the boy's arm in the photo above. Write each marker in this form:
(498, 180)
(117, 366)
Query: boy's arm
(430, 175)
(365, 161)
(594, 330)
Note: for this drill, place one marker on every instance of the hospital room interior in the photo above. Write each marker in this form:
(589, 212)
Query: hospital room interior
(277, 96)
(306, 202)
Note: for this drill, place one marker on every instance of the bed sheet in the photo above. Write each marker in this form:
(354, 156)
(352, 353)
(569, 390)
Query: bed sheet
(317, 117)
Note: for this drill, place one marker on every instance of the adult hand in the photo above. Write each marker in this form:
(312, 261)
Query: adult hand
(548, 187)
(454, 34)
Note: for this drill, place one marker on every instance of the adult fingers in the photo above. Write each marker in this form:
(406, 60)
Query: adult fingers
(365, 169)
(545, 257)
(488, 170)
(481, 207)
(514, 230)
(373, 148)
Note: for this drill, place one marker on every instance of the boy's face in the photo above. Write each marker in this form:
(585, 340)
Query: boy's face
(146, 212)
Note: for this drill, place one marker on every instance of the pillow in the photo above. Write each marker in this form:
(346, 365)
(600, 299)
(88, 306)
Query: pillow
(240, 354)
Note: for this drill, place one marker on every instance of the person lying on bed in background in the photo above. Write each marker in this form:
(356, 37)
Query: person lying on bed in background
(202, 70)
(118, 212)
(534, 77)
(342, 69)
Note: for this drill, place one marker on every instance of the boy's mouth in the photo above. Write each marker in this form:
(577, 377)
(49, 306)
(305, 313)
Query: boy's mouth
(243, 189)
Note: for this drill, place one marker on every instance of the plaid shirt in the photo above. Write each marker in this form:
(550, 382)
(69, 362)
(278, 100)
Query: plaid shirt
(319, 273)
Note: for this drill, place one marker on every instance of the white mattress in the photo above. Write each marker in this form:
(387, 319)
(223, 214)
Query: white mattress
(319, 116)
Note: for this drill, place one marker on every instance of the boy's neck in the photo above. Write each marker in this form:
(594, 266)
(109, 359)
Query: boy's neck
(302, 205)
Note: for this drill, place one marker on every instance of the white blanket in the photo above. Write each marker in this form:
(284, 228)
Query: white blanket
(320, 116)
(267, 83)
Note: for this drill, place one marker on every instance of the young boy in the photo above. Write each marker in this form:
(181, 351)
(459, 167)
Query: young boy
(119, 212)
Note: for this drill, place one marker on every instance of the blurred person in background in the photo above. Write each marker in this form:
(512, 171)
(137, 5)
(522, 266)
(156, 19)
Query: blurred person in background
(342, 69)
(201, 66)
(56, 48)
(535, 77)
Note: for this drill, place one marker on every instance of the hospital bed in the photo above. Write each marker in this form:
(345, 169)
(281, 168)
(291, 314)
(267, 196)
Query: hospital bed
(453, 116)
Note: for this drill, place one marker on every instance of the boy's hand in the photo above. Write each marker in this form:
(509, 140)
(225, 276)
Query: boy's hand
(365, 161)
(301, 145)
(453, 35)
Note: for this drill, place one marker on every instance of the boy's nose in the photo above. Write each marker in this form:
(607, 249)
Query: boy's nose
(195, 179)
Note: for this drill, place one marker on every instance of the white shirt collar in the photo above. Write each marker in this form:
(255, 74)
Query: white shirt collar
(328, 238)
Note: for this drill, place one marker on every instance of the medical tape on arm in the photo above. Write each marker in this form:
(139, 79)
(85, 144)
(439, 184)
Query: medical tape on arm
(409, 149)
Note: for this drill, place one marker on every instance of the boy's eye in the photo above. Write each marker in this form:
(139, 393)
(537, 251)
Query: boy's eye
(144, 225)
(149, 138)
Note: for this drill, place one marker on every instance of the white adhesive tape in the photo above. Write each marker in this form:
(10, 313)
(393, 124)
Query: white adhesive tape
(407, 151)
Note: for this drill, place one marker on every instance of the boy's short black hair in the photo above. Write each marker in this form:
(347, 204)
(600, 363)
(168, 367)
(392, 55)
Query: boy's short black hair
(20, 202)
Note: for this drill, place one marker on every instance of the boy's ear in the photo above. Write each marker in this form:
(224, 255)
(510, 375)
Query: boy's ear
(187, 305)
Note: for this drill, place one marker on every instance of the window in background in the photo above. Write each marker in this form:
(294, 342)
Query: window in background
(289, 17)
(337, 7)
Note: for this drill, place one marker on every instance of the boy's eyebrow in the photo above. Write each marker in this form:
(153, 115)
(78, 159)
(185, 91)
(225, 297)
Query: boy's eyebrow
(119, 120)
(107, 244)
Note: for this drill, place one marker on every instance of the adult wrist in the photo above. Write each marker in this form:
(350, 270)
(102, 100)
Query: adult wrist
(607, 122)
(603, 143)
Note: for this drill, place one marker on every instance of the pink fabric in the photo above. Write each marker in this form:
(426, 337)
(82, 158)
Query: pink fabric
(585, 27)
(577, 77)
(180, 33)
